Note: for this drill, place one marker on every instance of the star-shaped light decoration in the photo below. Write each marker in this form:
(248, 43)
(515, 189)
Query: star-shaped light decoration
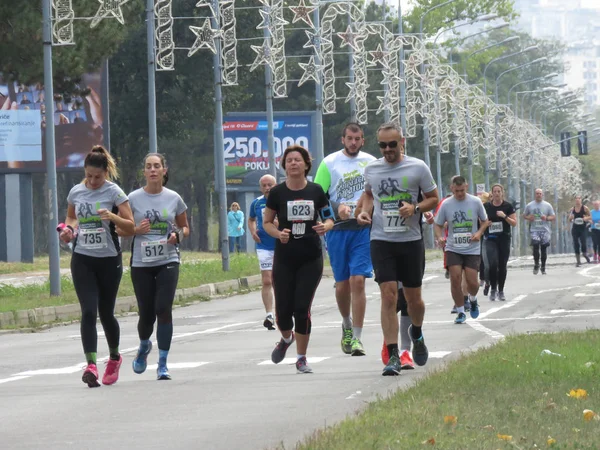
(315, 41)
(378, 56)
(269, 20)
(356, 89)
(205, 37)
(349, 38)
(390, 77)
(263, 55)
(385, 104)
(109, 7)
(311, 71)
(208, 3)
(303, 12)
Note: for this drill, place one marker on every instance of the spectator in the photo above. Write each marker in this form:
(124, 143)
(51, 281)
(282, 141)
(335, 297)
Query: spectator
(235, 227)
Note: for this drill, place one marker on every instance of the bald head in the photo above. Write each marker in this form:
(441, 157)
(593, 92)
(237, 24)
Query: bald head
(266, 182)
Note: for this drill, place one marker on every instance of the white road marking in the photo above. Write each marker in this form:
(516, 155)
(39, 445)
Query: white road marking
(479, 327)
(211, 330)
(566, 288)
(430, 277)
(181, 365)
(199, 316)
(438, 354)
(586, 272)
(509, 304)
(586, 295)
(310, 360)
(353, 396)
(562, 311)
(8, 380)
(59, 371)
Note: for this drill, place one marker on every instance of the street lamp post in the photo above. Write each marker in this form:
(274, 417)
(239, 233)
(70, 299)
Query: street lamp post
(545, 77)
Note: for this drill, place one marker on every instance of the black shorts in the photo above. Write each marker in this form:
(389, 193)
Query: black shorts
(465, 261)
(399, 261)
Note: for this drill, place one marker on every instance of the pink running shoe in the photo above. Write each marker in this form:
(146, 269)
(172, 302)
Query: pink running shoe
(90, 376)
(111, 373)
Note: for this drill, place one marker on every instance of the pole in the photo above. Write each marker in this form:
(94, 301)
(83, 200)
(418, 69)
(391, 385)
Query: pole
(386, 87)
(150, 25)
(402, 82)
(351, 76)
(53, 244)
(219, 160)
(318, 96)
(269, 98)
(555, 230)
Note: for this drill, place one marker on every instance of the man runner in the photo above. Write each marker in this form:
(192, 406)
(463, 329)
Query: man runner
(341, 177)
(540, 214)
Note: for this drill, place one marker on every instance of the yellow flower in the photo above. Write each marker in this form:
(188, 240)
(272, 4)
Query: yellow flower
(578, 393)
(550, 441)
(588, 415)
(505, 437)
(450, 420)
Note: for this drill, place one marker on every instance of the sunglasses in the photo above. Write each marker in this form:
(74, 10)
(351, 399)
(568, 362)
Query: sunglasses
(391, 144)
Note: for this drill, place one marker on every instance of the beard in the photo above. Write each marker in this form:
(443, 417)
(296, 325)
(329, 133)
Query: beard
(349, 152)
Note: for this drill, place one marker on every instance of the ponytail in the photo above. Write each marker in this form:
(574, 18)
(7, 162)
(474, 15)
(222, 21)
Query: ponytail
(100, 158)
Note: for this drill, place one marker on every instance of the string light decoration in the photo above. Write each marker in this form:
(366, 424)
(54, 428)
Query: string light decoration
(62, 28)
(229, 39)
(165, 46)
(263, 55)
(303, 12)
(311, 71)
(109, 8)
(278, 50)
(205, 37)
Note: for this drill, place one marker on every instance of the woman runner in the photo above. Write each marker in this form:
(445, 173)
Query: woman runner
(161, 224)
(579, 215)
(595, 226)
(298, 260)
(95, 207)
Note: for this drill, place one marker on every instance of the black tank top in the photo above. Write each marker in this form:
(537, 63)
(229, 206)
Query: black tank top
(579, 215)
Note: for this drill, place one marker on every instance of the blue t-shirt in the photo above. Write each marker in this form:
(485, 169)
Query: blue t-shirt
(595, 219)
(256, 212)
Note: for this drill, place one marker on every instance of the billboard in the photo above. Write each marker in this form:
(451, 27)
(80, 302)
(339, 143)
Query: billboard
(78, 120)
(245, 147)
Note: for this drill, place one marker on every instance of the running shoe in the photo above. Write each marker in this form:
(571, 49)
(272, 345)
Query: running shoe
(269, 322)
(481, 283)
(467, 304)
(474, 309)
(447, 274)
(454, 310)
(357, 348)
(587, 258)
(162, 373)
(302, 366)
(140, 361)
(501, 296)
(347, 340)
(406, 362)
(385, 355)
(420, 354)
(493, 295)
(280, 348)
(111, 373)
(90, 376)
(536, 270)
(486, 289)
(543, 271)
(460, 318)
(393, 367)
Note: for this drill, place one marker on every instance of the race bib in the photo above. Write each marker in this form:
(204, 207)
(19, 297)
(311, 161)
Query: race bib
(352, 206)
(154, 250)
(300, 210)
(538, 223)
(578, 221)
(496, 227)
(462, 240)
(597, 225)
(92, 238)
(393, 222)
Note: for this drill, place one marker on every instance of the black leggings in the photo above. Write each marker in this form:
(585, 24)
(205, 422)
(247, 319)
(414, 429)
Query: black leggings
(483, 275)
(579, 235)
(295, 284)
(96, 282)
(596, 241)
(536, 254)
(497, 251)
(155, 291)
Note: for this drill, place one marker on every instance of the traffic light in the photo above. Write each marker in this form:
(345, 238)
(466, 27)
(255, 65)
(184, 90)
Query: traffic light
(565, 143)
(582, 142)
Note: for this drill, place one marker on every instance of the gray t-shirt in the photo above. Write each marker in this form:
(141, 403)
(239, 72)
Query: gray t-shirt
(391, 184)
(96, 237)
(151, 249)
(463, 218)
(539, 209)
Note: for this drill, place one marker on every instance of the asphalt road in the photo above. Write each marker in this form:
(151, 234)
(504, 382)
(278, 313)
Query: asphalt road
(225, 393)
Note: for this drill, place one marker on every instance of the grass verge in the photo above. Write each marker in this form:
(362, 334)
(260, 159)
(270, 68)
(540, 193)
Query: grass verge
(508, 396)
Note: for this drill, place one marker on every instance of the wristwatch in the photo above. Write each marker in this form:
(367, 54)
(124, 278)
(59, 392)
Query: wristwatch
(417, 209)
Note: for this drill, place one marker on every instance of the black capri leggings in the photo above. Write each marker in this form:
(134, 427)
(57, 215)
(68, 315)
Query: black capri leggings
(96, 282)
(596, 240)
(155, 291)
(294, 285)
(497, 252)
(579, 235)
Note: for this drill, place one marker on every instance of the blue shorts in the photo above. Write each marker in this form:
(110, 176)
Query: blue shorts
(350, 253)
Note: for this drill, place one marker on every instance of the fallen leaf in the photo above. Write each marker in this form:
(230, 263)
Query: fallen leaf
(551, 405)
(488, 427)
(450, 420)
(505, 437)
(588, 415)
(550, 441)
(578, 393)
(589, 364)
(575, 430)
(430, 441)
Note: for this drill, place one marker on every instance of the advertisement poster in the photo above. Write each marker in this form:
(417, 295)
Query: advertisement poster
(78, 120)
(246, 149)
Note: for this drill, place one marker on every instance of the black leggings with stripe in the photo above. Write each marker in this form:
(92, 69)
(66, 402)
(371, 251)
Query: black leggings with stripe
(295, 282)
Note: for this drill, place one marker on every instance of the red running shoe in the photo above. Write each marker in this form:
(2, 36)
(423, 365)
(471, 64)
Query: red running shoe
(385, 356)
(111, 373)
(406, 362)
(90, 376)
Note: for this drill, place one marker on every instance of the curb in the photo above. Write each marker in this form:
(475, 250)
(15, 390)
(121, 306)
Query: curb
(33, 318)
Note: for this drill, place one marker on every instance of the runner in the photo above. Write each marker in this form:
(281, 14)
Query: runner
(484, 280)
(298, 260)
(579, 215)
(463, 213)
(502, 216)
(539, 213)
(392, 185)
(95, 207)
(265, 246)
(161, 219)
(341, 177)
(595, 215)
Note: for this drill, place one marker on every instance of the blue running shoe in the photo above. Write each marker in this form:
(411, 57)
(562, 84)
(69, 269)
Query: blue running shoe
(162, 373)
(460, 318)
(474, 309)
(420, 353)
(140, 362)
